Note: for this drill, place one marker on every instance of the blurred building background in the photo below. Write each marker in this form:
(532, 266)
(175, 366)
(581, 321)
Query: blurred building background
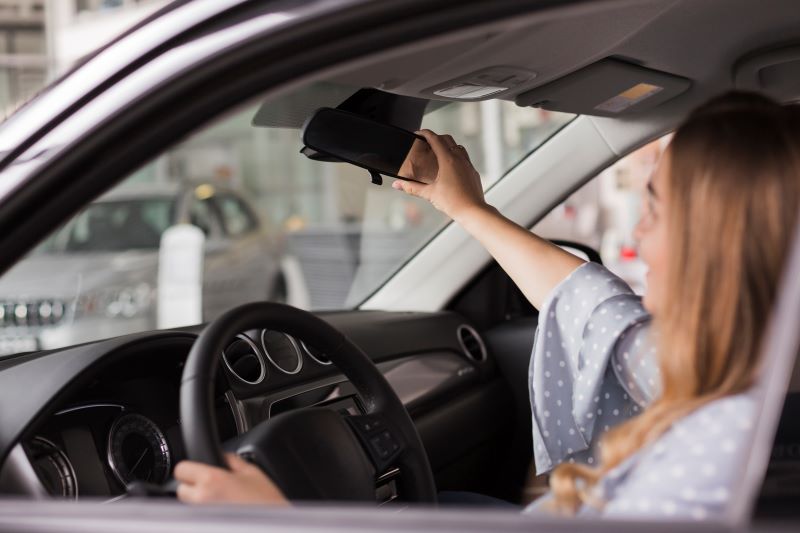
(23, 51)
(77, 27)
(40, 39)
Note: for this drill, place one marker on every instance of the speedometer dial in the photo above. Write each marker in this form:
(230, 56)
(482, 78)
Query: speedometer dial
(138, 450)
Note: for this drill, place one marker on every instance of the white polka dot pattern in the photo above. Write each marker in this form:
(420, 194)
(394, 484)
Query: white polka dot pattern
(594, 366)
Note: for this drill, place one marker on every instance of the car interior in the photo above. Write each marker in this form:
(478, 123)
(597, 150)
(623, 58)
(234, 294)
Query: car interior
(447, 329)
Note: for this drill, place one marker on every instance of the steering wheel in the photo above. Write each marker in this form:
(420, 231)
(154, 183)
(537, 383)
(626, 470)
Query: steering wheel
(313, 453)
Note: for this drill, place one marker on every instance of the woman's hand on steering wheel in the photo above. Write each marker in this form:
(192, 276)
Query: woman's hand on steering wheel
(243, 483)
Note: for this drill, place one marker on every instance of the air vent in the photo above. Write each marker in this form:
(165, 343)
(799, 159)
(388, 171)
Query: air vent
(244, 360)
(282, 351)
(317, 355)
(471, 343)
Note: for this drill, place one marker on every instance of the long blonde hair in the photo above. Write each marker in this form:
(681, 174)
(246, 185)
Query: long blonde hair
(733, 184)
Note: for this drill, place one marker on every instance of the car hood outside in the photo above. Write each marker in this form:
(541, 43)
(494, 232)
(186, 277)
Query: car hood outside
(68, 275)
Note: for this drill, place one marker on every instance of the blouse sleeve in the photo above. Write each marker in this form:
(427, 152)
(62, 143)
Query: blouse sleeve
(592, 366)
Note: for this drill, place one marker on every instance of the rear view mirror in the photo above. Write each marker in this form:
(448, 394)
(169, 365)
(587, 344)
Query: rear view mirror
(380, 148)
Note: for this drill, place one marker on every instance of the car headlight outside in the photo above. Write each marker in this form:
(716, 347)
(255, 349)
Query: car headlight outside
(118, 302)
(130, 301)
(31, 312)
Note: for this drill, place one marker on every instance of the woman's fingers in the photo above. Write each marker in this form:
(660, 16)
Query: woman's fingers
(437, 144)
(410, 187)
(243, 483)
(445, 147)
(189, 471)
(239, 465)
(189, 493)
(463, 152)
(198, 481)
(449, 141)
(457, 185)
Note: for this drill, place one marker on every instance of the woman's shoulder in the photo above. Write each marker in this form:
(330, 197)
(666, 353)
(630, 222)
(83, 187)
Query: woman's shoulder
(591, 300)
(592, 296)
(729, 414)
(717, 431)
(590, 279)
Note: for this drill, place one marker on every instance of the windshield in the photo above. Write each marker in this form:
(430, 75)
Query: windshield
(264, 222)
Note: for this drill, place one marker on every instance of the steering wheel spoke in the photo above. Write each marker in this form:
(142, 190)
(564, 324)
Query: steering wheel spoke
(382, 444)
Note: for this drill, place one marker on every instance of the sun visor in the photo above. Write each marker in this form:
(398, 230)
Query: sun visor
(775, 72)
(608, 88)
(291, 110)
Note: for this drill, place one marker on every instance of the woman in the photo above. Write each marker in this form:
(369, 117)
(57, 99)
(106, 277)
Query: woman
(640, 408)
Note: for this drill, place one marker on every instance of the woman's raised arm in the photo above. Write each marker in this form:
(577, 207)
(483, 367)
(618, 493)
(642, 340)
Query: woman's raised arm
(454, 188)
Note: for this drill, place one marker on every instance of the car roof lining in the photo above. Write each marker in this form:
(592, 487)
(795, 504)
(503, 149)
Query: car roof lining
(560, 35)
(654, 34)
(556, 43)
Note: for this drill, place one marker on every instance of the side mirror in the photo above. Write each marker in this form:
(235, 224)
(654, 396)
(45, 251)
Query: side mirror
(379, 148)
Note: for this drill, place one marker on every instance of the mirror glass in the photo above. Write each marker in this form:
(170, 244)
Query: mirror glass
(372, 145)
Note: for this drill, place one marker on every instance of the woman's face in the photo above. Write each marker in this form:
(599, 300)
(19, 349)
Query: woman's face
(651, 233)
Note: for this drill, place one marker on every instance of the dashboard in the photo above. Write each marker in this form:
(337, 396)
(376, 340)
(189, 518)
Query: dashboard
(121, 428)
(110, 417)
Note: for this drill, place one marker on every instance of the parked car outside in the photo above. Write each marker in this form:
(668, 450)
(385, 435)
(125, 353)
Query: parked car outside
(102, 266)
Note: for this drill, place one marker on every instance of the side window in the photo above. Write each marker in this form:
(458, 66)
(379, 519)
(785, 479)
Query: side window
(603, 213)
(201, 214)
(116, 224)
(237, 218)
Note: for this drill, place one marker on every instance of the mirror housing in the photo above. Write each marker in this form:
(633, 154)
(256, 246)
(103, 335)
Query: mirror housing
(380, 148)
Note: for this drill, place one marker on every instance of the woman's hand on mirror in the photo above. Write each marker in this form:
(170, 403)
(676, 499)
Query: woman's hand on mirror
(420, 164)
(452, 184)
(243, 483)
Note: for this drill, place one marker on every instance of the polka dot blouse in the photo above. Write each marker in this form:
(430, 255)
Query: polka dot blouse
(593, 366)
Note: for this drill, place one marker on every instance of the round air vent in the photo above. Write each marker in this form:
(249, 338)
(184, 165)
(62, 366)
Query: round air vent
(244, 360)
(471, 343)
(317, 355)
(54, 469)
(282, 351)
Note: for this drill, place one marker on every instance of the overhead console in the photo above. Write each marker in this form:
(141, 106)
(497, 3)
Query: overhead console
(607, 88)
(482, 84)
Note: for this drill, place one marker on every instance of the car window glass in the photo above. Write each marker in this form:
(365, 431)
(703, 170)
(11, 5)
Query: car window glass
(201, 215)
(113, 225)
(323, 236)
(238, 219)
(496, 134)
(604, 212)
